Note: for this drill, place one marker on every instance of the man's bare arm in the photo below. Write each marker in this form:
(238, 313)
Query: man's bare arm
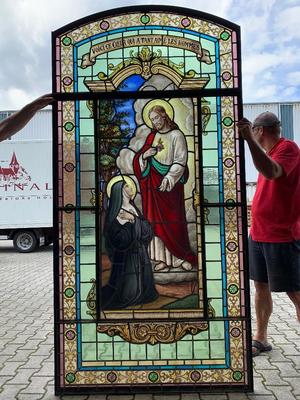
(269, 168)
(18, 120)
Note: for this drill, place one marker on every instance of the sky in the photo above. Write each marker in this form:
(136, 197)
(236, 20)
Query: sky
(270, 43)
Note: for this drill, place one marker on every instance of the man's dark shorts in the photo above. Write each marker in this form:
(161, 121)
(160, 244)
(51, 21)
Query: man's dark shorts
(276, 263)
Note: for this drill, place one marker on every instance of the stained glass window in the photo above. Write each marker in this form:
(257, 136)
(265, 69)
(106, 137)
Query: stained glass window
(151, 285)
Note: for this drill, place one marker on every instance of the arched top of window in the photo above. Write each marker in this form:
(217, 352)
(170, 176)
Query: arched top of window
(101, 52)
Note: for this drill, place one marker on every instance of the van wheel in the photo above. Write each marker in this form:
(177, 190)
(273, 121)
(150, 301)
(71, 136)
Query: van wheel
(25, 241)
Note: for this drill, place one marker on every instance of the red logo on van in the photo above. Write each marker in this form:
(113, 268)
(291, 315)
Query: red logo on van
(14, 173)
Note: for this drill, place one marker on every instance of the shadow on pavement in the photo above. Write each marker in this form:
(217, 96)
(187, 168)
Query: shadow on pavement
(6, 246)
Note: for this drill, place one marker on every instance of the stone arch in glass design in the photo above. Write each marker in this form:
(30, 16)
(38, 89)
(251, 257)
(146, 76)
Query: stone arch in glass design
(151, 284)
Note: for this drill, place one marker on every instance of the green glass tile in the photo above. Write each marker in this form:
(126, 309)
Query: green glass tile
(115, 36)
(212, 125)
(88, 351)
(208, 45)
(217, 349)
(121, 351)
(184, 350)
(86, 127)
(83, 49)
(100, 66)
(227, 121)
(210, 158)
(87, 144)
(211, 194)
(210, 140)
(132, 33)
(213, 251)
(87, 219)
(70, 377)
(69, 126)
(117, 55)
(86, 198)
(128, 50)
(201, 349)
(209, 68)
(192, 37)
(213, 269)
(162, 49)
(81, 87)
(138, 351)
(175, 52)
(84, 290)
(212, 81)
(201, 336)
(102, 337)
(211, 101)
(87, 272)
(191, 63)
(67, 41)
(168, 351)
(87, 236)
(99, 40)
(153, 352)
(212, 233)
(113, 62)
(176, 33)
(214, 288)
(216, 330)
(105, 351)
(89, 332)
(217, 305)
(84, 72)
(69, 292)
(87, 255)
(213, 216)
(160, 32)
(210, 176)
(85, 112)
(85, 311)
(118, 338)
(87, 180)
(87, 162)
(191, 55)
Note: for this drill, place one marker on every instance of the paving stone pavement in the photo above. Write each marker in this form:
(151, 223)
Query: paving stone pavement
(26, 339)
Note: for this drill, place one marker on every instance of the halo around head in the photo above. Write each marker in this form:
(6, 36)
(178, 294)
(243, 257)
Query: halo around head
(157, 102)
(119, 178)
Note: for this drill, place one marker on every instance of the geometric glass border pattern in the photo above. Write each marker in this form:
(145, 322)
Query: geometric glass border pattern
(169, 311)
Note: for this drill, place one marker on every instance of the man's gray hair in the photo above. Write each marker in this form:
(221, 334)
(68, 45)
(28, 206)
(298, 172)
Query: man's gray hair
(266, 119)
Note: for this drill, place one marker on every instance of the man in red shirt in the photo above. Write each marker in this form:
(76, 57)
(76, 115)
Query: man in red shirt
(274, 242)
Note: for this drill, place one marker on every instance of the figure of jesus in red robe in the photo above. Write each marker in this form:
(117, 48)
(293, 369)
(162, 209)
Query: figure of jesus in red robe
(160, 167)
